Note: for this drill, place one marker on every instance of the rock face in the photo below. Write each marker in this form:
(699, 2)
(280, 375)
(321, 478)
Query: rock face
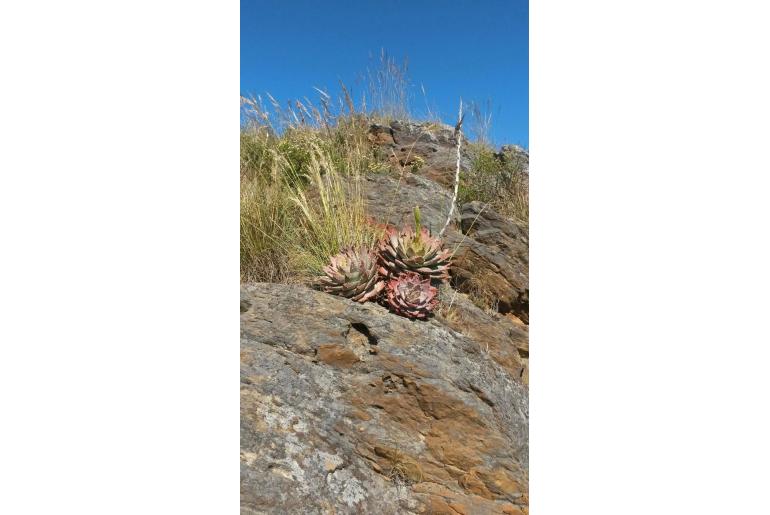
(431, 149)
(492, 252)
(391, 199)
(348, 408)
(492, 258)
(492, 255)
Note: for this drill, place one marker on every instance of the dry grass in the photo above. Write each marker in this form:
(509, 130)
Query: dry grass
(332, 212)
(478, 289)
(267, 221)
(301, 201)
(302, 168)
(388, 86)
(480, 122)
(503, 185)
(446, 308)
(402, 468)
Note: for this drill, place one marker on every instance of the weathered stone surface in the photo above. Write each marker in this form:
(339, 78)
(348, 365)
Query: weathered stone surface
(501, 337)
(493, 255)
(391, 199)
(429, 148)
(347, 408)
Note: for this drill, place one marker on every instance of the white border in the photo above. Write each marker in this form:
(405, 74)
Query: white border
(649, 257)
(119, 276)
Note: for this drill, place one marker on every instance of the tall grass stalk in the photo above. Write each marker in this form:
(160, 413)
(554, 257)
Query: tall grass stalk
(266, 220)
(333, 213)
(389, 88)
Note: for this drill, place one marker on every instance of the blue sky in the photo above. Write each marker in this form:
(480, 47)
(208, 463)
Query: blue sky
(477, 50)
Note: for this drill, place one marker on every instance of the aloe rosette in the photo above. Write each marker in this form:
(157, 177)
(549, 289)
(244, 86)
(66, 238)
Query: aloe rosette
(353, 274)
(416, 251)
(411, 295)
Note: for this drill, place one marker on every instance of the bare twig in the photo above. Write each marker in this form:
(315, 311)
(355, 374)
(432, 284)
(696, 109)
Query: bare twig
(459, 135)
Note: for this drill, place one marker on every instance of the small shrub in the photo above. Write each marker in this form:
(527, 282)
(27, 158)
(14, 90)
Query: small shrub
(502, 183)
(417, 164)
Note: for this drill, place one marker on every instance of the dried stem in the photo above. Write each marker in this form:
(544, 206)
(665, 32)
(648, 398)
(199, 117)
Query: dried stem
(459, 135)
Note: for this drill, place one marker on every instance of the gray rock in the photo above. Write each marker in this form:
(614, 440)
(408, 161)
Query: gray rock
(429, 149)
(391, 199)
(492, 257)
(348, 408)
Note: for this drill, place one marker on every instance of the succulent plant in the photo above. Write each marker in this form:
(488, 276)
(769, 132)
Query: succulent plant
(353, 274)
(414, 251)
(411, 295)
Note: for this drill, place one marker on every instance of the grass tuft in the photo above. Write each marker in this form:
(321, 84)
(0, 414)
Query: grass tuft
(301, 196)
(500, 182)
(332, 213)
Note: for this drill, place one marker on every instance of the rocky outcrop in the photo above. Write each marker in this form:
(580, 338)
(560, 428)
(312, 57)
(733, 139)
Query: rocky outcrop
(348, 408)
(492, 259)
(504, 338)
(430, 149)
(491, 251)
(391, 199)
